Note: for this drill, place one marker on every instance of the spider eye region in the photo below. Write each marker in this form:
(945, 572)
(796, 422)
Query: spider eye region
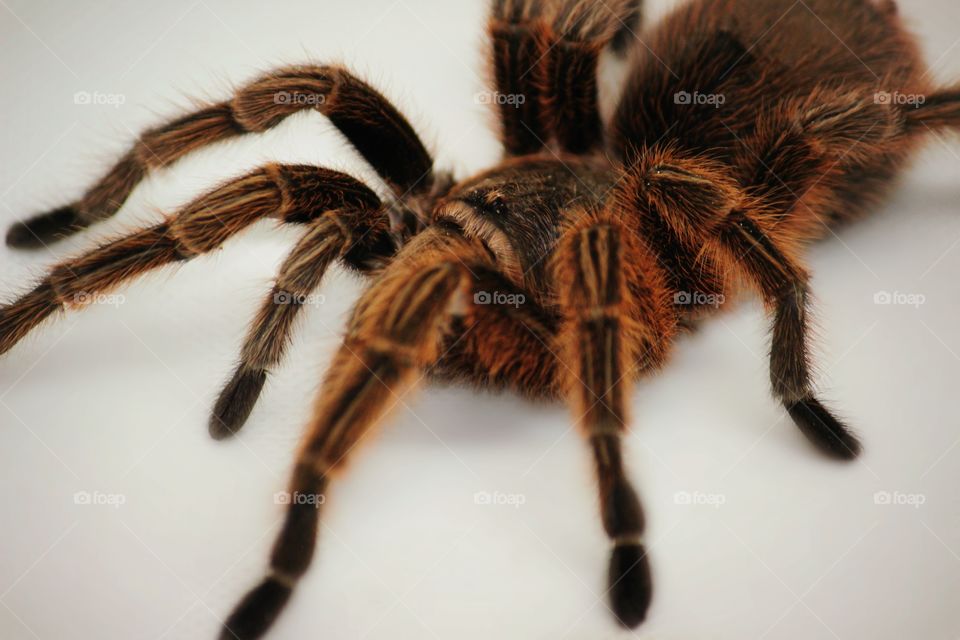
(488, 203)
(499, 207)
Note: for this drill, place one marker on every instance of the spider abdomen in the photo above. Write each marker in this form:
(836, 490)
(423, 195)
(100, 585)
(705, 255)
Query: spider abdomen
(714, 68)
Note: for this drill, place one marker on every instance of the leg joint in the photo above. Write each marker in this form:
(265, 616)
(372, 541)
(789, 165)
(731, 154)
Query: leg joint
(265, 102)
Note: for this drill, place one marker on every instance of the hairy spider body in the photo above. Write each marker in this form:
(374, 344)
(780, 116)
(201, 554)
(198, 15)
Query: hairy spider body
(744, 131)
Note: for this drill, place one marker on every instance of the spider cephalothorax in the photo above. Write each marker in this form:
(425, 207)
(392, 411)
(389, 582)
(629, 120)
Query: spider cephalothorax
(744, 130)
(516, 210)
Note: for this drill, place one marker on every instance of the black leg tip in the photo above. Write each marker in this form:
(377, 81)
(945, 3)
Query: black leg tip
(631, 585)
(257, 611)
(235, 403)
(44, 229)
(824, 430)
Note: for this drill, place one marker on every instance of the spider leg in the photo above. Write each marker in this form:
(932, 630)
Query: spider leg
(344, 234)
(544, 59)
(801, 146)
(610, 329)
(938, 111)
(397, 329)
(578, 32)
(784, 285)
(292, 193)
(514, 28)
(371, 124)
(798, 150)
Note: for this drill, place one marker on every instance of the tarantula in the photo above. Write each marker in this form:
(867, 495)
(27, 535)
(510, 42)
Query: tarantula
(744, 131)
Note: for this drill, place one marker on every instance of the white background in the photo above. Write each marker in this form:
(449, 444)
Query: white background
(115, 400)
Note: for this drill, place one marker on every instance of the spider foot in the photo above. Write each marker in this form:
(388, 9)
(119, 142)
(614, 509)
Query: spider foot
(236, 402)
(44, 229)
(824, 430)
(257, 611)
(631, 586)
